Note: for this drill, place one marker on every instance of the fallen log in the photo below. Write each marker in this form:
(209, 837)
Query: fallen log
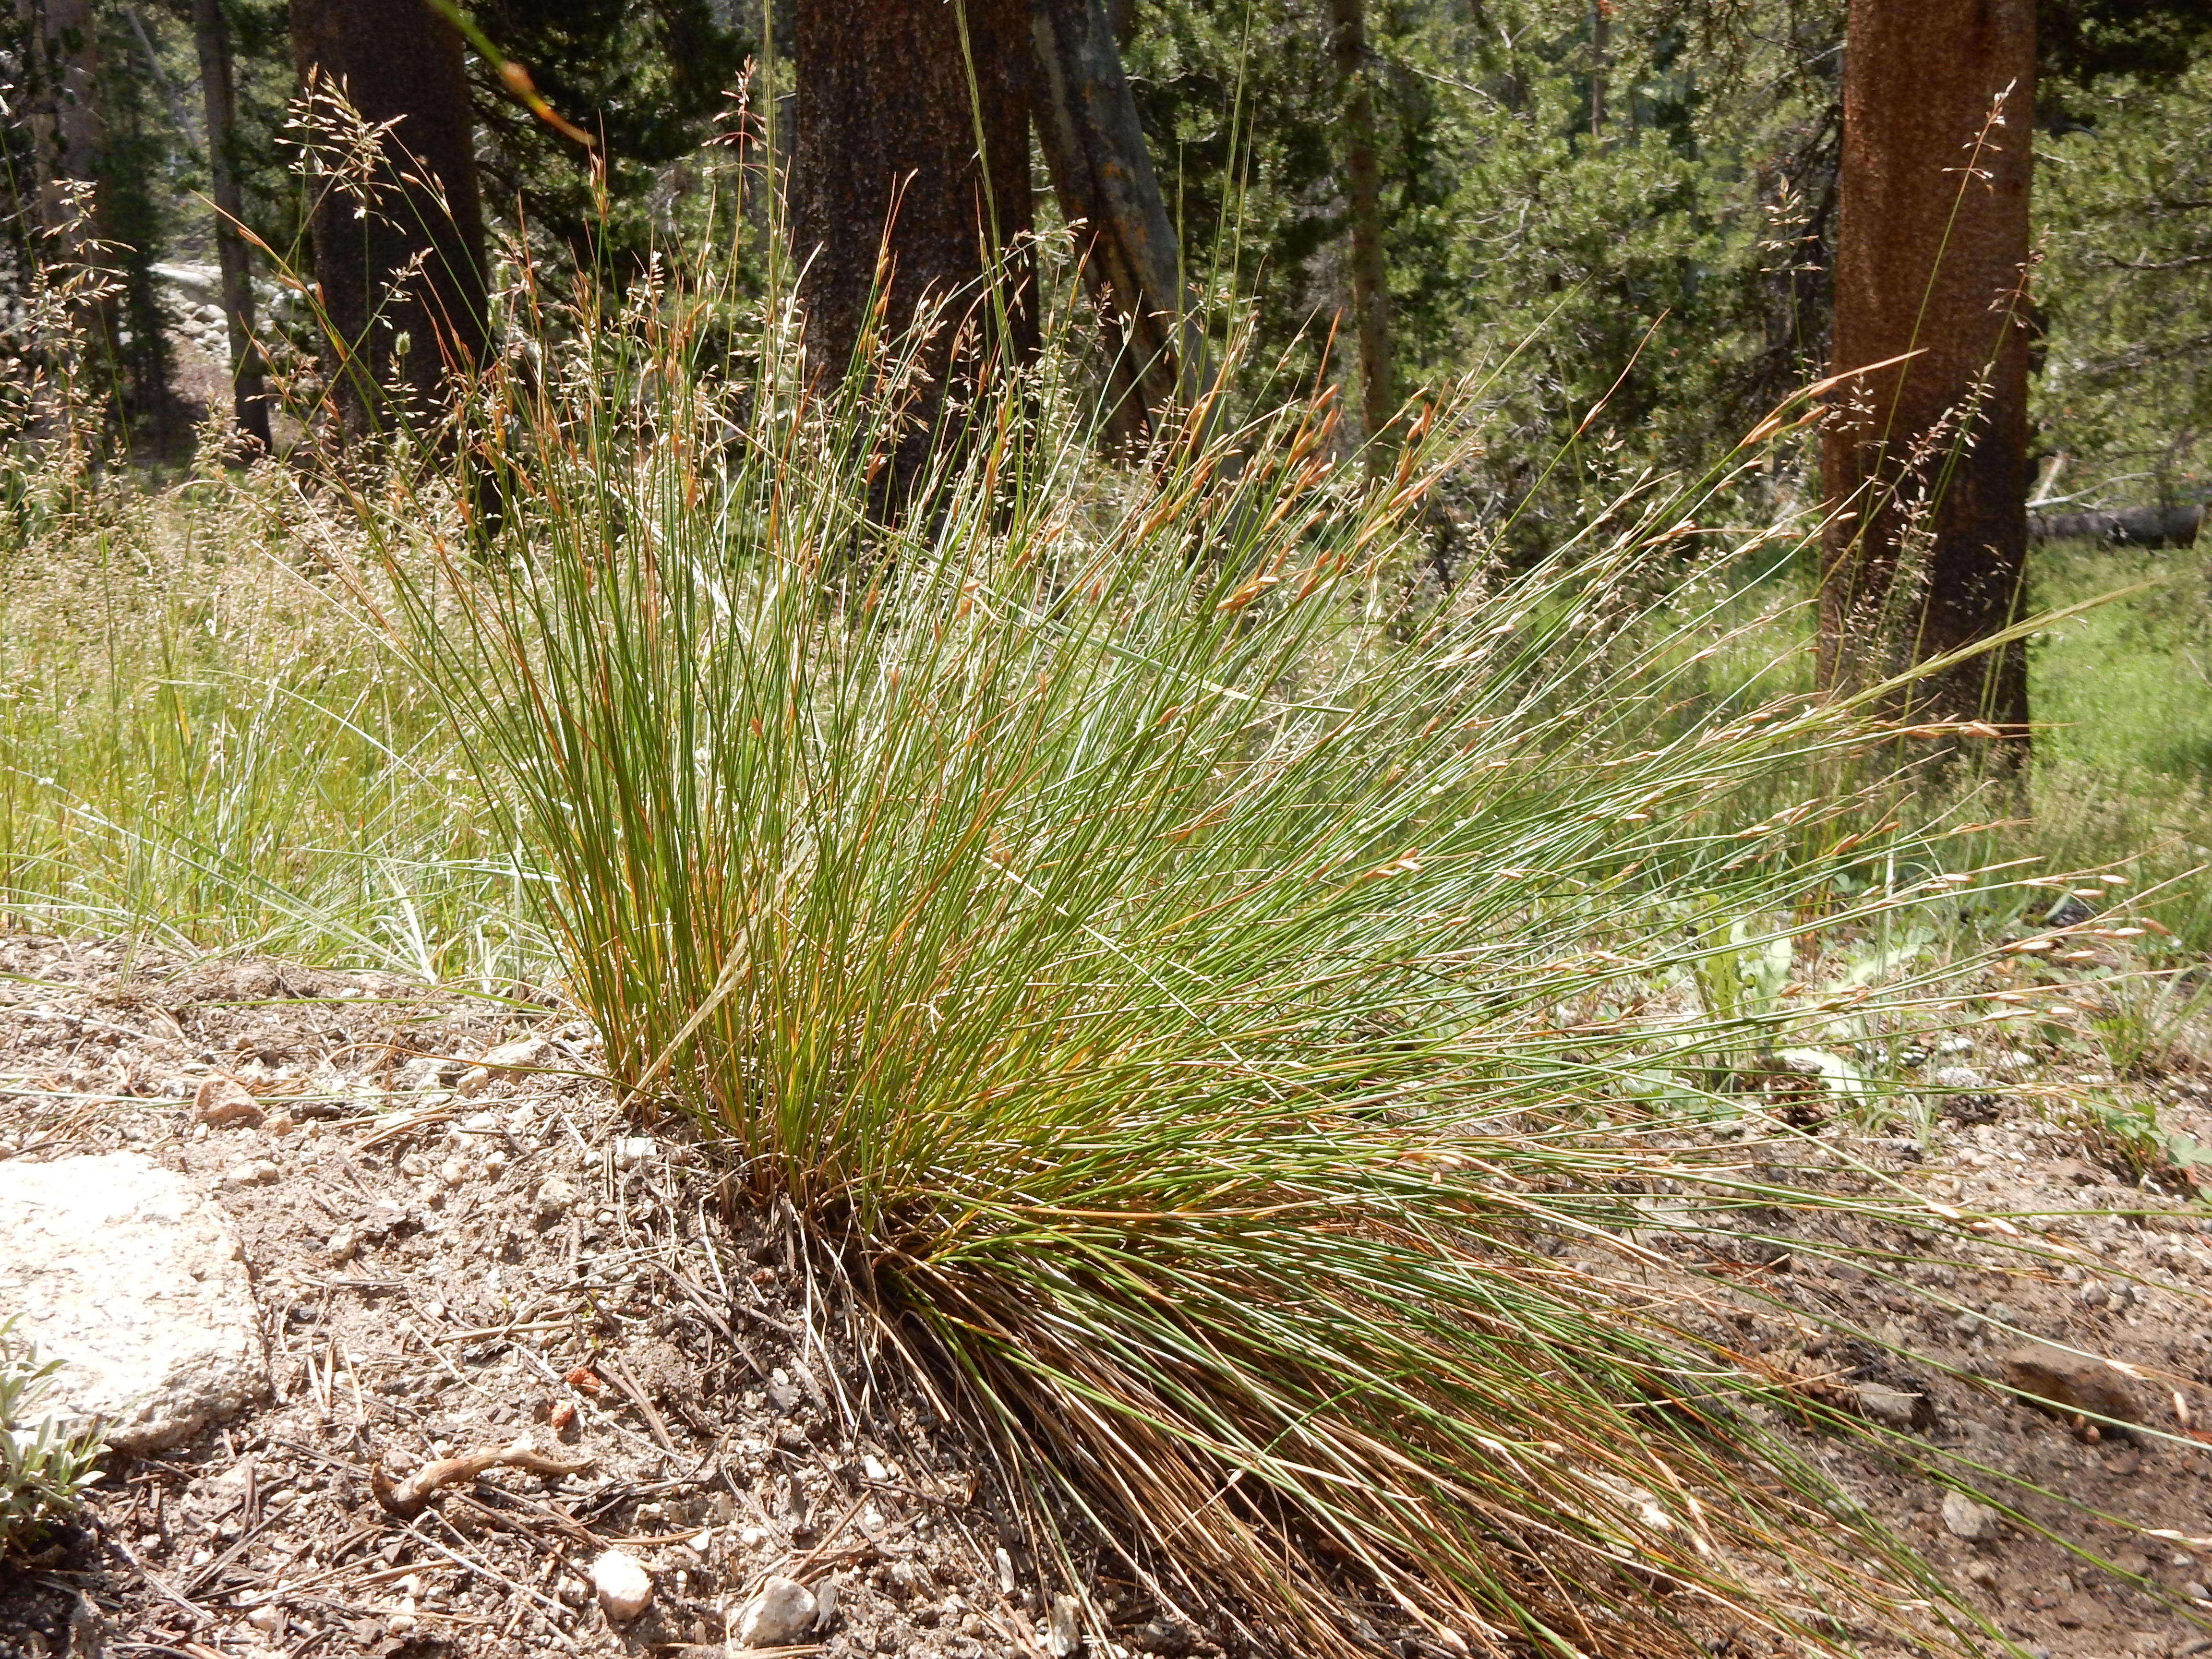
(2128, 527)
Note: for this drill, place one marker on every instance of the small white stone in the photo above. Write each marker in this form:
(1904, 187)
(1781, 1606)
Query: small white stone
(1965, 1518)
(556, 1198)
(1958, 1077)
(526, 1051)
(254, 1172)
(268, 1619)
(1063, 1631)
(630, 1150)
(623, 1585)
(422, 1073)
(780, 1616)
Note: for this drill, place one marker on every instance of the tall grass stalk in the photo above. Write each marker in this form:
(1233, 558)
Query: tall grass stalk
(1162, 968)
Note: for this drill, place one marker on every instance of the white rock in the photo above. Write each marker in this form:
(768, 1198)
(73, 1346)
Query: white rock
(780, 1616)
(268, 1619)
(1958, 1077)
(1892, 1409)
(524, 1051)
(623, 1585)
(1965, 1518)
(1063, 1631)
(557, 1196)
(133, 1276)
(254, 1172)
(424, 1071)
(630, 1150)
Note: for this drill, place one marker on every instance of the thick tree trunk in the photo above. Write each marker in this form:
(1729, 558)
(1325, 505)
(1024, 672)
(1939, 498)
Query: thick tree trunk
(913, 144)
(1925, 463)
(413, 266)
(65, 121)
(1362, 190)
(1102, 173)
(211, 34)
(62, 44)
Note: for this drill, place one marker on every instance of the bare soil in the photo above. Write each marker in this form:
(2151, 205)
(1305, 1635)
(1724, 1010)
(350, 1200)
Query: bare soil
(444, 1264)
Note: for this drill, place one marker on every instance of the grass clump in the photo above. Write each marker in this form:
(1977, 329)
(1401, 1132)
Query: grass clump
(1189, 1000)
(42, 1468)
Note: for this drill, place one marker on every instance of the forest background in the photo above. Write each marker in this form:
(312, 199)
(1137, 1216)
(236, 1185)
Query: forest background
(1630, 202)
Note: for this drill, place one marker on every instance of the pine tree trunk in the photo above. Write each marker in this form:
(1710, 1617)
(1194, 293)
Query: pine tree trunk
(414, 268)
(62, 48)
(887, 160)
(211, 34)
(1102, 174)
(1924, 464)
(1363, 189)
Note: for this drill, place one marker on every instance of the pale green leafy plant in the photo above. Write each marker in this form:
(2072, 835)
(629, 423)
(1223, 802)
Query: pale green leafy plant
(44, 1468)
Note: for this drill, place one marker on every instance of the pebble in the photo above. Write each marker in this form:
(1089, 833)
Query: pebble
(1958, 1077)
(222, 1102)
(254, 1172)
(623, 1585)
(268, 1619)
(424, 1071)
(557, 1196)
(2072, 1383)
(1063, 1631)
(780, 1616)
(630, 1150)
(501, 1061)
(1894, 1409)
(1963, 1519)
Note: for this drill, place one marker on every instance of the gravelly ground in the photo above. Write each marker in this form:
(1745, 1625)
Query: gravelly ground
(441, 1271)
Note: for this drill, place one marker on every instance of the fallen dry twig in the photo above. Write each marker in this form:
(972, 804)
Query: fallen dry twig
(407, 1498)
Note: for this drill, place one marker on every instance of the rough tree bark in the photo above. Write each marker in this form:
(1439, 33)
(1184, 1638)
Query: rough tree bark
(1362, 190)
(1102, 173)
(64, 117)
(899, 153)
(1924, 464)
(62, 73)
(211, 34)
(414, 265)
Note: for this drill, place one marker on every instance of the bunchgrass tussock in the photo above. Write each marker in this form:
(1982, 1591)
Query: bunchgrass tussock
(1162, 971)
